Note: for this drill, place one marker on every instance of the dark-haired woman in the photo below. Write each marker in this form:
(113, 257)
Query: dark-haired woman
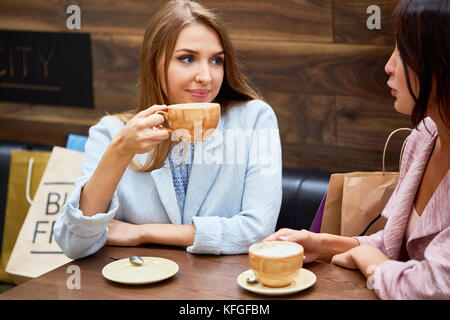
(410, 258)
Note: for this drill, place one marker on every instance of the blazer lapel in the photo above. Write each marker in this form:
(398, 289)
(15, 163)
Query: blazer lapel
(396, 227)
(162, 178)
(208, 157)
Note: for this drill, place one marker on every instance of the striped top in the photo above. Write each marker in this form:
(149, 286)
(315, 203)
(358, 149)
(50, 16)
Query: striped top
(412, 222)
(180, 173)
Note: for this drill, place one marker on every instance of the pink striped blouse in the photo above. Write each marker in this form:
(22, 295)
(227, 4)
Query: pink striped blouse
(419, 266)
(412, 222)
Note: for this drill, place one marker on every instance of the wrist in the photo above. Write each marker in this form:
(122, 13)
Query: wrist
(325, 243)
(331, 245)
(117, 148)
(143, 233)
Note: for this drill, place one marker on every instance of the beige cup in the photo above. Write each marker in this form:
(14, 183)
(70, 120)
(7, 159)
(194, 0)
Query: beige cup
(192, 122)
(276, 263)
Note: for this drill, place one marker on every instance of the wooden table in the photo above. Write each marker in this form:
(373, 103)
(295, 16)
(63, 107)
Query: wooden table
(200, 277)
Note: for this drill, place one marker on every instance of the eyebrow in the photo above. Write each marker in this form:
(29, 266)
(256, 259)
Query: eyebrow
(196, 52)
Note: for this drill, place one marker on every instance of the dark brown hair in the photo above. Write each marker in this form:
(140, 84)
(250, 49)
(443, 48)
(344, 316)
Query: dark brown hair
(422, 29)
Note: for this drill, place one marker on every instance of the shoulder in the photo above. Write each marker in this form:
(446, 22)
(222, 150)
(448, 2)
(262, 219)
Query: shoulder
(108, 125)
(418, 141)
(425, 131)
(422, 135)
(101, 134)
(250, 114)
(252, 106)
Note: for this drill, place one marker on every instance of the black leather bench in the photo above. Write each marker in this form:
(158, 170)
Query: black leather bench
(303, 191)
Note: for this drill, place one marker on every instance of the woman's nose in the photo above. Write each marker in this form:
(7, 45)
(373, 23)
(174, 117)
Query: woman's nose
(203, 74)
(390, 65)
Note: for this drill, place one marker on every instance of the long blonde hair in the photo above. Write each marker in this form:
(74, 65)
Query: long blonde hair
(159, 41)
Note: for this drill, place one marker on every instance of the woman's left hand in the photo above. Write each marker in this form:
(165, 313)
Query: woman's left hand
(344, 259)
(364, 257)
(123, 234)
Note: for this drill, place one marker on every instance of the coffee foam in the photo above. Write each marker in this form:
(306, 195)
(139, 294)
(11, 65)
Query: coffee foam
(194, 105)
(276, 249)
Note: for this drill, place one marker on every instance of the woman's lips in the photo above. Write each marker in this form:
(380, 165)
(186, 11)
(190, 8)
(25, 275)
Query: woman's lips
(199, 94)
(393, 91)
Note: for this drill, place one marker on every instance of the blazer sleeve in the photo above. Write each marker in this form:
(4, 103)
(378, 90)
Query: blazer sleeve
(261, 199)
(426, 279)
(76, 234)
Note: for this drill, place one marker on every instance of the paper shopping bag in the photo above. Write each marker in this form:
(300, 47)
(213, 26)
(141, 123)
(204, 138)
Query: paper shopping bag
(331, 220)
(364, 197)
(355, 200)
(36, 251)
(20, 177)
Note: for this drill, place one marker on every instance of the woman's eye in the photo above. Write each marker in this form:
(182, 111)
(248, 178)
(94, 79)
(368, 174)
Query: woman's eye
(217, 61)
(186, 59)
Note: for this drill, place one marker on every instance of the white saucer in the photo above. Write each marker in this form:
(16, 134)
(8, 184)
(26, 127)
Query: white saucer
(152, 270)
(304, 280)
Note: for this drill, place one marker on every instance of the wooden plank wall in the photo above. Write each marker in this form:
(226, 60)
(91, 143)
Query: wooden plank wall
(315, 61)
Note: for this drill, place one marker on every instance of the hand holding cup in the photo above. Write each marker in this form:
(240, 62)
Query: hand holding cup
(139, 135)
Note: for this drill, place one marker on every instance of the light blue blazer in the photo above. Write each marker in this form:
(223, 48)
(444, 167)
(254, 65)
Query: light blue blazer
(233, 196)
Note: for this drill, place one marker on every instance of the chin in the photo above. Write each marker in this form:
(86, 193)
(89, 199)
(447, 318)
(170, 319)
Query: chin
(402, 109)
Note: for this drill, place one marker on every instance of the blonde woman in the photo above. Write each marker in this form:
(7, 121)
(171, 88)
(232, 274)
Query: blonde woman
(131, 190)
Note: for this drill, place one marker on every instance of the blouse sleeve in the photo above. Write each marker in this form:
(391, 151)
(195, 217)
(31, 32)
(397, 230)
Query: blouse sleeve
(426, 279)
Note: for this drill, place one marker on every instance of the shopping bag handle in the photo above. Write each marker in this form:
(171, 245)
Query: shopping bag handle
(27, 188)
(403, 146)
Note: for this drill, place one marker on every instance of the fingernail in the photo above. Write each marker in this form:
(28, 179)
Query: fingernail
(283, 238)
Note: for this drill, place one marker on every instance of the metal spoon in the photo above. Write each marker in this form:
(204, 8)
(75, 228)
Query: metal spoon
(136, 260)
(252, 279)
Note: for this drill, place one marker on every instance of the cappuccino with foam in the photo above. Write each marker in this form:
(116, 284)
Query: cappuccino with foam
(276, 263)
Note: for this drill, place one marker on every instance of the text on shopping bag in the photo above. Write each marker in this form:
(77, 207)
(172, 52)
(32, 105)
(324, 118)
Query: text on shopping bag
(56, 198)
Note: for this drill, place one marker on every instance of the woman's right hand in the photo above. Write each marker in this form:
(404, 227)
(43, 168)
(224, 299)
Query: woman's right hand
(310, 241)
(142, 133)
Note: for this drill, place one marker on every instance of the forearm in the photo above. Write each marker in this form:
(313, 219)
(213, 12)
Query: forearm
(98, 191)
(331, 245)
(168, 234)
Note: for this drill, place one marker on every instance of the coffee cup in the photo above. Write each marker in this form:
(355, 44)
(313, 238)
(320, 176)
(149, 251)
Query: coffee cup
(276, 263)
(192, 122)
